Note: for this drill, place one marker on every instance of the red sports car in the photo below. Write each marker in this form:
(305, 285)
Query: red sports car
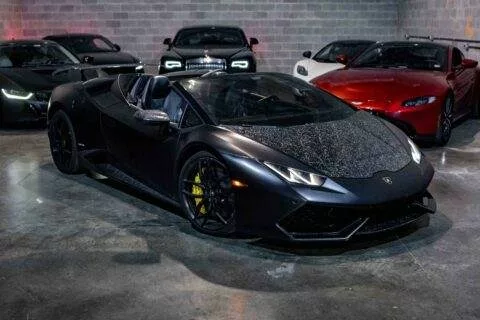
(421, 87)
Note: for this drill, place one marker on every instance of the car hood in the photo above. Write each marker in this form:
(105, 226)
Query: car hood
(385, 86)
(356, 147)
(109, 57)
(35, 79)
(226, 53)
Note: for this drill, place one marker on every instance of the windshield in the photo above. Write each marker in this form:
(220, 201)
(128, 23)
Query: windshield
(212, 36)
(34, 55)
(86, 44)
(330, 53)
(404, 55)
(264, 99)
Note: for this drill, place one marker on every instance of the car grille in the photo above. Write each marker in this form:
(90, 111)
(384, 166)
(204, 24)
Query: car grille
(206, 63)
(314, 221)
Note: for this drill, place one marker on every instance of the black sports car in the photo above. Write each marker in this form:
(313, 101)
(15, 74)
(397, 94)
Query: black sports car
(95, 49)
(264, 154)
(209, 47)
(29, 70)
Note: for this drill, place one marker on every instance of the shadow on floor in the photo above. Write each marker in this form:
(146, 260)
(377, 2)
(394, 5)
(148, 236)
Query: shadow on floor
(244, 263)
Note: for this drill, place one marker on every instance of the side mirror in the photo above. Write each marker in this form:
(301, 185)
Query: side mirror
(117, 47)
(253, 41)
(87, 59)
(343, 59)
(469, 64)
(167, 41)
(152, 117)
(307, 54)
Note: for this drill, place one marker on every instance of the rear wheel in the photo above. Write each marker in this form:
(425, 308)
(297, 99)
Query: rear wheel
(206, 194)
(63, 143)
(444, 130)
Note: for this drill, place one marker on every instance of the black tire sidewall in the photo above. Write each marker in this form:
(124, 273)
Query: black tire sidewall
(73, 167)
(441, 140)
(183, 203)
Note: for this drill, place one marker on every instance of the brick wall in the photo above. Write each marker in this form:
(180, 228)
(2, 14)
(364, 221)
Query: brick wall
(442, 18)
(285, 28)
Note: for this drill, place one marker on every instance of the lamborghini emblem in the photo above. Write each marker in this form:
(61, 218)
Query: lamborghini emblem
(387, 180)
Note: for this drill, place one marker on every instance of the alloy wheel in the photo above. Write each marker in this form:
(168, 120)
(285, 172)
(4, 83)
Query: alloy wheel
(207, 195)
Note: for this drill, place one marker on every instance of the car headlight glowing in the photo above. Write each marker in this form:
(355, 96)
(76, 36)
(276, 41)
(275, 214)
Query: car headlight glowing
(172, 64)
(139, 68)
(420, 101)
(302, 70)
(293, 175)
(416, 154)
(241, 64)
(17, 94)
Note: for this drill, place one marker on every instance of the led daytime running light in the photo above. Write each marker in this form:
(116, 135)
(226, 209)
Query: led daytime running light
(17, 95)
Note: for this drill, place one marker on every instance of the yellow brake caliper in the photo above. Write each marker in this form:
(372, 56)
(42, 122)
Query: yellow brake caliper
(197, 191)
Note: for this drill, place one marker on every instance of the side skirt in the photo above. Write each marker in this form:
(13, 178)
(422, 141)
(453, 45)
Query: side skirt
(112, 172)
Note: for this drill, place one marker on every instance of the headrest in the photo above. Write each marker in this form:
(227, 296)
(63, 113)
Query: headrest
(160, 87)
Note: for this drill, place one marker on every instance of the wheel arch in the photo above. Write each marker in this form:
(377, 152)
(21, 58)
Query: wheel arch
(192, 149)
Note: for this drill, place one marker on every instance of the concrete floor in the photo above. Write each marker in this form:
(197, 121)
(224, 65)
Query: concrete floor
(72, 247)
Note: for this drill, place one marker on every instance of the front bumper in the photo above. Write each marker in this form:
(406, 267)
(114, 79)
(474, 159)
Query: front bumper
(338, 210)
(416, 122)
(313, 222)
(22, 111)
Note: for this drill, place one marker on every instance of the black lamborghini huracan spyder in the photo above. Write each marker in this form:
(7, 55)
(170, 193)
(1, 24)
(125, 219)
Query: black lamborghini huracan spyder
(263, 154)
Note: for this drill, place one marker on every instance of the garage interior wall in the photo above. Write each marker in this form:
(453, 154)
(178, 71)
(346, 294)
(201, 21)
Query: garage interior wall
(285, 28)
(442, 18)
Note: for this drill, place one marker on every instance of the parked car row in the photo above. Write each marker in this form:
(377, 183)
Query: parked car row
(422, 87)
(216, 138)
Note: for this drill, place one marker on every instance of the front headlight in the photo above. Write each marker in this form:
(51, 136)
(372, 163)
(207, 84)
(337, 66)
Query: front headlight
(17, 94)
(293, 175)
(172, 64)
(241, 64)
(416, 154)
(420, 101)
(139, 68)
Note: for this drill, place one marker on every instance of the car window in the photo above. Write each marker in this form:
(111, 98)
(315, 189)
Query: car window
(210, 36)
(404, 55)
(86, 44)
(332, 51)
(264, 99)
(35, 55)
(457, 57)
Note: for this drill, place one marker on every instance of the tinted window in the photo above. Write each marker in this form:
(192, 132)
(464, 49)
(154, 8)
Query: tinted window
(32, 55)
(264, 99)
(212, 36)
(457, 57)
(404, 55)
(86, 44)
(332, 51)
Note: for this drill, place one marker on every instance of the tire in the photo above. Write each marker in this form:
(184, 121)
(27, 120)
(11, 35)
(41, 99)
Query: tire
(206, 195)
(444, 130)
(63, 143)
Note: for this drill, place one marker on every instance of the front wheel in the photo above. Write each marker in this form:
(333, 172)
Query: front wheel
(206, 194)
(63, 143)
(445, 123)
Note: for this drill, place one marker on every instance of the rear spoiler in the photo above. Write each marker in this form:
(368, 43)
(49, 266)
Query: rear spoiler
(87, 72)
